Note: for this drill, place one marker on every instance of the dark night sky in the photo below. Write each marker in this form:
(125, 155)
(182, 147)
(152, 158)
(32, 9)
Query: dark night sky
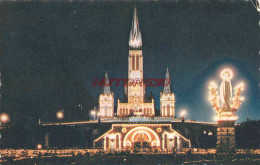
(46, 46)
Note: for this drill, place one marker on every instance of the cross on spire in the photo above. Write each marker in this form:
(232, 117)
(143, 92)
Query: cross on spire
(135, 39)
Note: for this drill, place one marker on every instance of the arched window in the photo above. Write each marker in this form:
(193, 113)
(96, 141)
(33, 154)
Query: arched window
(107, 143)
(163, 111)
(175, 144)
(168, 110)
(133, 62)
(117, 141)
(137, 62)
(106, 111)
(165, 141)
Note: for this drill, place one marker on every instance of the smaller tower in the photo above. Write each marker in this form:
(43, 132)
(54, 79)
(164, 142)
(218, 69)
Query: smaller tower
(106, 100)
(167, 98)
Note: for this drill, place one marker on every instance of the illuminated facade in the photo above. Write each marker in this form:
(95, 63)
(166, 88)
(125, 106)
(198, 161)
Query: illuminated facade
(142, 136)
(136, 104)
(140, 129)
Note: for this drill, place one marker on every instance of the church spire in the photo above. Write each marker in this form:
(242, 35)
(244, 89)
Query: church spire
(135, 39)
(167, 83)
(106, 85)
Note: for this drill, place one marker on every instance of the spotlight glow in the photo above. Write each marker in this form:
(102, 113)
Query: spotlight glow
(226, 74)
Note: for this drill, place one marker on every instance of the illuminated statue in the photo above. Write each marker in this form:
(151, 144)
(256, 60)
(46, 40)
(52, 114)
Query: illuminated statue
(226, 88)
(228, 102)
(226, 112)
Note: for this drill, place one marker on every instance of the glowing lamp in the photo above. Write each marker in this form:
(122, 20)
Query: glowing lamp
(39, 146)
(183, 113)
(4, 118)
(60, 115)
(93, 113)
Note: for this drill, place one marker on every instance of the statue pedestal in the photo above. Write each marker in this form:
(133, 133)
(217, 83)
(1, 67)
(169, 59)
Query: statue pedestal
(226, 136)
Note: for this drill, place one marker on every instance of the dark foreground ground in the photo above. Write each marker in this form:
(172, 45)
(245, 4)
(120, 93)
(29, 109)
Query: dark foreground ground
(107, 159)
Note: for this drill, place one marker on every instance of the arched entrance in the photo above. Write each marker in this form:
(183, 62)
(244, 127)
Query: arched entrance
(141, 140)
(141, 137)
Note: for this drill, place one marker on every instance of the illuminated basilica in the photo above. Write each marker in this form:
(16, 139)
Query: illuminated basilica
(135, 124)
(132, 123)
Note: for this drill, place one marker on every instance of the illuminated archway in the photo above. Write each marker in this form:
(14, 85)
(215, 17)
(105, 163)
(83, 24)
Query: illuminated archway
(146, 131)
(141, 132)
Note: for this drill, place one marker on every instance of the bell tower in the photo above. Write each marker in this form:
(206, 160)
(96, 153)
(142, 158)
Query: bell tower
(136, 104)
(136, 88)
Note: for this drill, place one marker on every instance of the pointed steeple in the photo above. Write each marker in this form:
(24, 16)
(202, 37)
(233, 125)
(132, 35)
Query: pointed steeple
(106, 85)
(135, 39)
(167, 83)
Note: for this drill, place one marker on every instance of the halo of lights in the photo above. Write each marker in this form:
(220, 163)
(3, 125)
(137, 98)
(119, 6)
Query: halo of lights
(226, 71)
(4, 118)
